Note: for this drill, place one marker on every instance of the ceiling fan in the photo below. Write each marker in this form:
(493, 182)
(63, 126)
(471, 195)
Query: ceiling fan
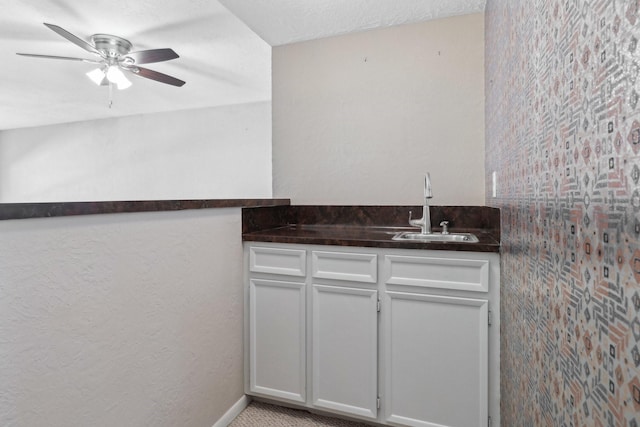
(113, 56)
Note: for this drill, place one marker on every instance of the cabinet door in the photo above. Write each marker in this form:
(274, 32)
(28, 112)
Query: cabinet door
(345, 348)
(436, 360)
(277, 326)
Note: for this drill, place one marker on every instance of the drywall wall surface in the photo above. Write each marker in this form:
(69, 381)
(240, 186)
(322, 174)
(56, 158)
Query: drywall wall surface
(222, 152)
(126, 319)
(359, 118)
(563, 135)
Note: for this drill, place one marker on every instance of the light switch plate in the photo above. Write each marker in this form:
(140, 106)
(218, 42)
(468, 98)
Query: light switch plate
(494, 184)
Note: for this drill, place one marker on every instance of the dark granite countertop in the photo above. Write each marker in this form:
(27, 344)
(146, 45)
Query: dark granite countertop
(368, 226)
(54, 209)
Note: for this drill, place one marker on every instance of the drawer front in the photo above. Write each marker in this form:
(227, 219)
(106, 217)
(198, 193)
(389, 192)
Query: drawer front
(354, 267)
(443, 273)
(288, 262)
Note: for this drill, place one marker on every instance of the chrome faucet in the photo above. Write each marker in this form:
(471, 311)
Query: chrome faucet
(425, 222)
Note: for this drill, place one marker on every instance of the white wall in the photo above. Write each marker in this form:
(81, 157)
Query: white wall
(126, 319)
(222, 152)
(358, 119)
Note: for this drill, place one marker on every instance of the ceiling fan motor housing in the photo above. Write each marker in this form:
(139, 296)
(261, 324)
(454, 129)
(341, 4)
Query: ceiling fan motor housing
(112, 46)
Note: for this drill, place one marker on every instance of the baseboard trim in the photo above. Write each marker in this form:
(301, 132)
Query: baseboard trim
(233, 412)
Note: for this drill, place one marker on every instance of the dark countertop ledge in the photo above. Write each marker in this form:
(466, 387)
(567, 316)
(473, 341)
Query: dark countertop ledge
(57, 209)
(361, 226)
(367, 236)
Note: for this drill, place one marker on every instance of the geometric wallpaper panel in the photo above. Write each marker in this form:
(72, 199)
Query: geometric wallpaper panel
(563, 134)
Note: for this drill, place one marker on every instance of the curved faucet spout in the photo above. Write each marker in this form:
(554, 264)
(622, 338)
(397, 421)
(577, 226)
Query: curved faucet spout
(428, 194)
(425, 222)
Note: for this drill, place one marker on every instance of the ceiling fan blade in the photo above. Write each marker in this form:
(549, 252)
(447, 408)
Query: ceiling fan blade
(66, 58)
(74, 39)
(152, 55)
(155, 75)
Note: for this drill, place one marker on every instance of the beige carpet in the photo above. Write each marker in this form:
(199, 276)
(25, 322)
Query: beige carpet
(265, 415)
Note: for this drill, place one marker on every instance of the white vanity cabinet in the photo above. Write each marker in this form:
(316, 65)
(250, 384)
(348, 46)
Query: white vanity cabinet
(394, 336)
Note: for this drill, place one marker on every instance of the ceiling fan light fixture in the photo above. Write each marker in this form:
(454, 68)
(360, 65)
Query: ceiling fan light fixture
(97, 76)
(115, 75)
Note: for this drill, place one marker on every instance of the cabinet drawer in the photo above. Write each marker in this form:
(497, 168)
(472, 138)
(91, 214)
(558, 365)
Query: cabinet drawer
(288, 262)
(444, 273)
(347, 266)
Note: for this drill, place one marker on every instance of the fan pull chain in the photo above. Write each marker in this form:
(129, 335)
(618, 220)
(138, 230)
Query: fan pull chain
(110, 94)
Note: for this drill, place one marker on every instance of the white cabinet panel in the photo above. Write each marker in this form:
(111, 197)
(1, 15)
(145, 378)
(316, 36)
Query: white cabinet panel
(345, 346)
(436, 360)
(277, 356)
(288, 262)
(355, 267)
(443, 273)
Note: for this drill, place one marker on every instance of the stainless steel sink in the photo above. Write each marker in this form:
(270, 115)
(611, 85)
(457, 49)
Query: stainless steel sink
(436, 237)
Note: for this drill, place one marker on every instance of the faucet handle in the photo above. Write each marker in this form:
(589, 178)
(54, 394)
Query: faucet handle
(445, 227)
(413, 222)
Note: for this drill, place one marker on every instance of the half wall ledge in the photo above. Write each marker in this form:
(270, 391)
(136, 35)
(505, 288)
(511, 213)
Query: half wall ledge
(55, 209)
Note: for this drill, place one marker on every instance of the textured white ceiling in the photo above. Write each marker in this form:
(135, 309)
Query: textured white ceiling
(281, 22)
(225, 57)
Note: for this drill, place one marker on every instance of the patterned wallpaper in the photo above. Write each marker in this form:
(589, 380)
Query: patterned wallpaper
(563, 134)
